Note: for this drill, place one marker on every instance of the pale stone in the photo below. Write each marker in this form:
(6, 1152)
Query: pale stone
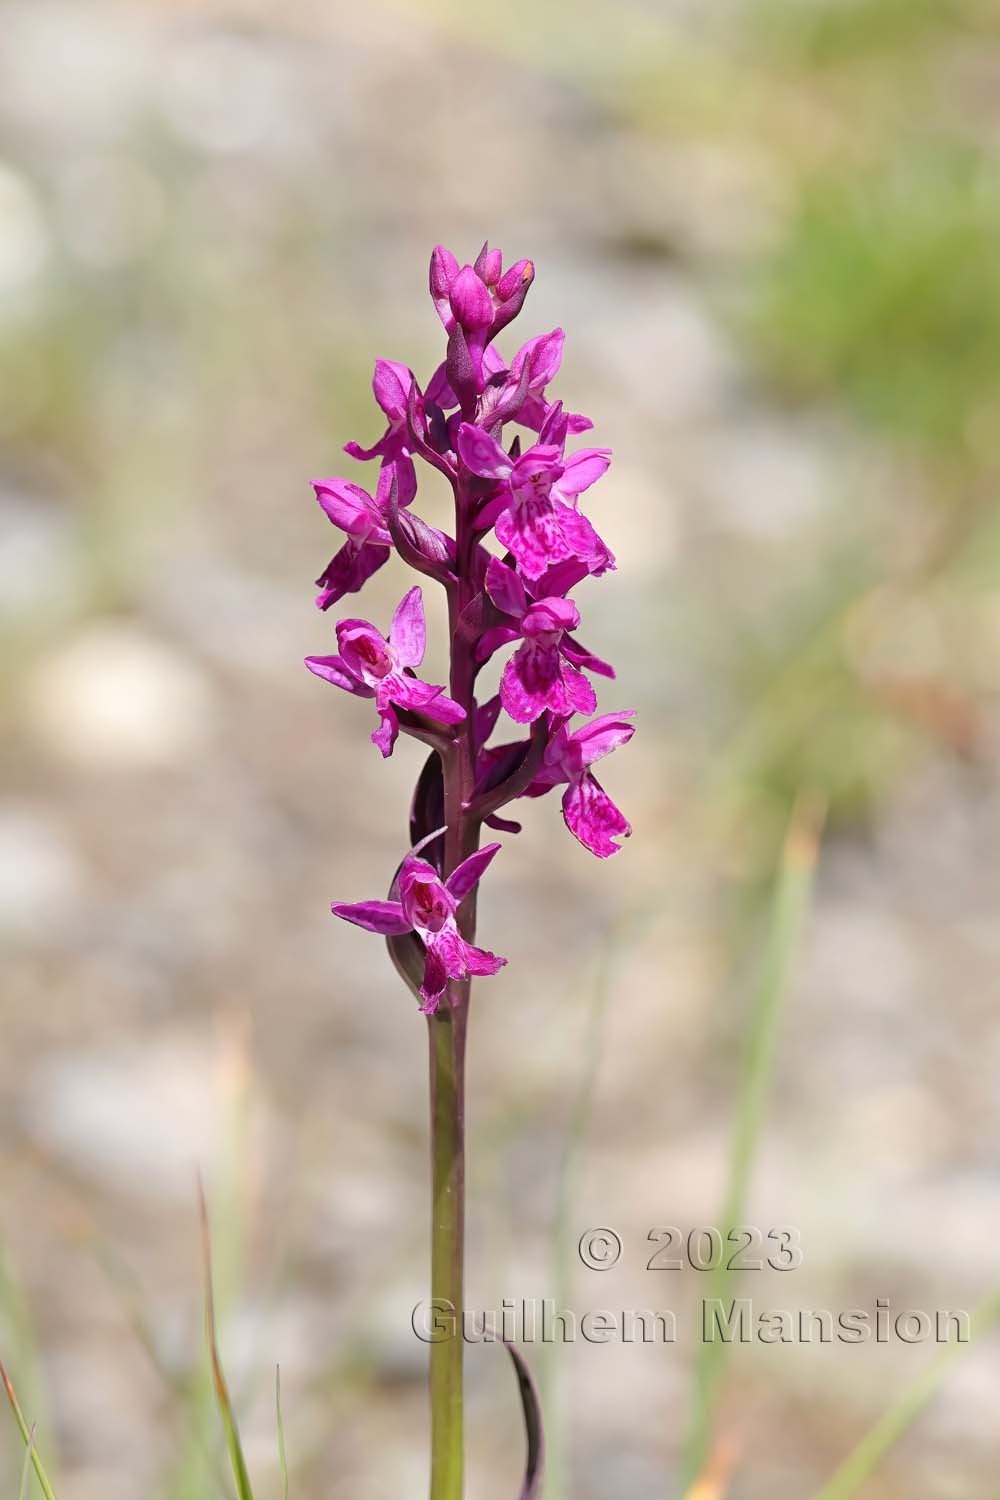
(117, 697)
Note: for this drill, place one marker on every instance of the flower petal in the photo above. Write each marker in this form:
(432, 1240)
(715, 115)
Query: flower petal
(583, 469)
(385, 917)
(424, 698)
(593, 818)
(505, 588)
(471, 303)
(444, 269)
(581, 657)
(391, 386)
(334, 669)
(444, 710)
(530, 530)
(385, 736)
(602, 735)
(347, 506)
(435, 979)
(415, 868)
(582, 541)
(469, 873)
(546, 616)
(529, 683)
(491, 640)
(349, 570)
(489, 264)
(408, 631)
(544, 355)
(579, 696)
(399, 469)
(482, 454)
(481, 961)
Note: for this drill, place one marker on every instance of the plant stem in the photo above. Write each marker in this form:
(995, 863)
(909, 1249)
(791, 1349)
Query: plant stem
(447, 1076)
(447, 1063)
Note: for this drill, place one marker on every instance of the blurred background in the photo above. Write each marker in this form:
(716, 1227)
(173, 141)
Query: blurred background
(770, 229)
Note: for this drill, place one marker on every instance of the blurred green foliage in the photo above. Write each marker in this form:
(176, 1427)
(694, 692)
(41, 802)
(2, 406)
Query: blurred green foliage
(836, 31)
(885, 292)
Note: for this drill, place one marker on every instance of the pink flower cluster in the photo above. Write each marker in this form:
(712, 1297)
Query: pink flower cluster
(526, 493)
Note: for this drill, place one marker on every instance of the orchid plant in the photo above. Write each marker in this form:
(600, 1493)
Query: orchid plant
(525, 492)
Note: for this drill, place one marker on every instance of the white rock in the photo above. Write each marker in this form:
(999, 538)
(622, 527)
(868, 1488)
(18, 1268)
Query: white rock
(116, 697)
(36, 561)
(24, 239)
(145, 1117)
(41, 879)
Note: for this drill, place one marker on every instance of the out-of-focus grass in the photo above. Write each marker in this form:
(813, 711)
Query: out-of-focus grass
(789, 908)
(223, 1400)
(862, 1462)
(19, 1345)
(29, 1453)
(885, 292)
(827, 32)
(28, 1437)
(578, 1124)
(195, 1472)
(282, 1455)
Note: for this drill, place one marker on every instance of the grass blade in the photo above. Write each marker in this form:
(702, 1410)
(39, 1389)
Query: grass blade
(282, 1456)
(890, 1427)
(244, 1489)
(789, 907)
(28, 1435)
(20, 1340)
(197, 1472)
(26, 1466)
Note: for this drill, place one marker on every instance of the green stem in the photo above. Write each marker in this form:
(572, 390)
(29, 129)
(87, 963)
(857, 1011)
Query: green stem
(447, 1071)
(447, 1051)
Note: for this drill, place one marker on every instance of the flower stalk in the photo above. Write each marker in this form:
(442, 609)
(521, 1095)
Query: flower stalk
(520, 543)
(447, 1032)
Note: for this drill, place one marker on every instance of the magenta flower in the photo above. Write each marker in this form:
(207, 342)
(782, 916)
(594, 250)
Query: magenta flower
(474, 303)
(368, 541)
(523, 392)
(392, 384)
(538, 521)
(458, 301)
(588, 811)
(544, 672)
(427, 906)
(370, 666)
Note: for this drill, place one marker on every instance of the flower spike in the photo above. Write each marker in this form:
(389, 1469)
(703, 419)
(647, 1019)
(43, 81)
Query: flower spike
(521, 544)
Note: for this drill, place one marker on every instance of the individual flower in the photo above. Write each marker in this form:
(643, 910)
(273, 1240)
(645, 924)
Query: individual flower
(372, 667)
(543, 674)
(588, 811)
(368, 543)
(535, 513)
(391, 385)
(520, 397)
(427, 905)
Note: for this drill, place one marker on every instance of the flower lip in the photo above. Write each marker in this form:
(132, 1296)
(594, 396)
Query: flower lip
(427, 906)
(365, 651)
(427, 903)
